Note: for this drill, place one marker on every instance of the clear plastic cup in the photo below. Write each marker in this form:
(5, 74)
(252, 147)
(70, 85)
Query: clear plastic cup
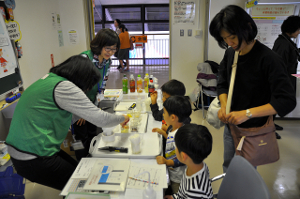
(135, 141)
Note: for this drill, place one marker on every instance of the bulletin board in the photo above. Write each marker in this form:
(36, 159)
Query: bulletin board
(10, 76)
(269, 18)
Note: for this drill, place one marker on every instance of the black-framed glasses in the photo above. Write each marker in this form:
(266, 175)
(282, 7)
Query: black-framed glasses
(108, 49)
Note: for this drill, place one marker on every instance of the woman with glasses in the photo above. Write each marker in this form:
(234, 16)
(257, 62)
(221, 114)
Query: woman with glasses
(124, 48)
(43, 116)
(103, 46)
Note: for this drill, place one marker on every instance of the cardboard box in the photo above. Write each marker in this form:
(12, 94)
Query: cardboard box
(65, 146)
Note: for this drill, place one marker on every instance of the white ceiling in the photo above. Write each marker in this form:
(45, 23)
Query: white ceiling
(122, 2)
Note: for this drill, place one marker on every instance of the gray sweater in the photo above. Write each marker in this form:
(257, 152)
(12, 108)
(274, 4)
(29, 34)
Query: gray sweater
(71, 98)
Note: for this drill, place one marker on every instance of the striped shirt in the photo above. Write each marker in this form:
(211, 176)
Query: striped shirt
(195, 186)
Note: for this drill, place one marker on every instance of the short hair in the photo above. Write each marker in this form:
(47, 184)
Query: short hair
(173, 87)
(104, 37)
(118, 21)
(290, 24)
(194, 140)
(179, 106)
(80, 70)
(123, 27)
(235, 21)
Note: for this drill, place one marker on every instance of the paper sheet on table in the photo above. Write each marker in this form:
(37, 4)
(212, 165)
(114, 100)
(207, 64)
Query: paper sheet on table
(138, 194)
(84, 168)
(157, 175)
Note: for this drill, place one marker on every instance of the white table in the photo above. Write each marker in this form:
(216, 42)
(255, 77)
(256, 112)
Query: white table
(135, 193)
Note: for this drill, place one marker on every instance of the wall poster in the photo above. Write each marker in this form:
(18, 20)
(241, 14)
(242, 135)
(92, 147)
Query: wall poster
(184, 12)
(7, 54)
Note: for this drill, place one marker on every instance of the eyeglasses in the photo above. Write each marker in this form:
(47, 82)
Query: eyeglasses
(107, 49)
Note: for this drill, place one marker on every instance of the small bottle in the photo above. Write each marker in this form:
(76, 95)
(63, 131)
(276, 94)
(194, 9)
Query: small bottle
(146, 83)
(20, 51)
(139, 84)
(125, 84)
(151, 86)
(132, 84)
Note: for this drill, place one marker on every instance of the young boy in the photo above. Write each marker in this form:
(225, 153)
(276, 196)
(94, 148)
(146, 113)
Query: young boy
(171, 88)
(193, 145)
(176, 110)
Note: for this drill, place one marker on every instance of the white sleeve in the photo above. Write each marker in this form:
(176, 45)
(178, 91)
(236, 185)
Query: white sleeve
(71, 98)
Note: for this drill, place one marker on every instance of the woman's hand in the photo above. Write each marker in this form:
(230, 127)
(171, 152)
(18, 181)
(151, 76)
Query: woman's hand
(237, 117)
(125, 121)
(81, 122)
(222, 114)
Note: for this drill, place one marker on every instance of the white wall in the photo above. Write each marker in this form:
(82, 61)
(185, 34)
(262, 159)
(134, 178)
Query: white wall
(39, 39)
(215, 53)
(186, 52)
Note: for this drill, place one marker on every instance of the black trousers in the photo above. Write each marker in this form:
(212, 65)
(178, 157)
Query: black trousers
(85, 133)
(53, 171)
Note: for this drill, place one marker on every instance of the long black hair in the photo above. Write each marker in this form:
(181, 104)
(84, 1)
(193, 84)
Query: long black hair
(79, 70)
(235, 21)
(104, 37)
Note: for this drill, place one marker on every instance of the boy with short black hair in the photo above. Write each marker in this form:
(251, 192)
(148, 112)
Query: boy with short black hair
(170, 88)
(193, 145)
(176, 110)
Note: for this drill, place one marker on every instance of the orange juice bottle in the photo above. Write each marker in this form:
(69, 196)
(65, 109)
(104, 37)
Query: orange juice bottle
(139, 84)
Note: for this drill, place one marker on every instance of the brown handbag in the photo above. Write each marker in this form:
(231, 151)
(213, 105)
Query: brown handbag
(258, 145)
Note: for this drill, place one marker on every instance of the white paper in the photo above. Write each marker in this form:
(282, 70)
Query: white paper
(84, 168)
(157, 175)
(108, 174)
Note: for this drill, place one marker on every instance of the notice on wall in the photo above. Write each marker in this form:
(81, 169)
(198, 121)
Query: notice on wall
(55, 21)
(184, 12)
(7, 56)
(73, 37)
(13, 28)
(60, 38)
(268, 31)
(273, 10)
(269, 18)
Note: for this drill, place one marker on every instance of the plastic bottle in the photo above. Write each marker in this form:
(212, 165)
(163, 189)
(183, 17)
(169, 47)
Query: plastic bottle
(139, 84)
(125, 84)
(132, 84)
(151, 86)
(146, 83)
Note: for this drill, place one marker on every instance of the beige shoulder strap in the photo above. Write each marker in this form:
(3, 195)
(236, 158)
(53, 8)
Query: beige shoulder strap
(233, 72)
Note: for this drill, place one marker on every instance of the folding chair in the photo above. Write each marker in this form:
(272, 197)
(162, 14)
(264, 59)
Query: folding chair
(242, 181)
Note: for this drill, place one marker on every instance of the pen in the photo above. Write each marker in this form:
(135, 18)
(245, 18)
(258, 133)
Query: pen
(143, 180)
(4, 105)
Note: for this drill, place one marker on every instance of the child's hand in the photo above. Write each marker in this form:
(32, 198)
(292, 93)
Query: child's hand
(153, 96)
(160, 131)
(165, 127)
(168, 197)
(160, 160)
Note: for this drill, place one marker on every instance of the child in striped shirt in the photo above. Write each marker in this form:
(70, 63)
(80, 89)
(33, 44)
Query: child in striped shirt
(193, 145)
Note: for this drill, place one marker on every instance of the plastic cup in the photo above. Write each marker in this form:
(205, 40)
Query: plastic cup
(135, 141)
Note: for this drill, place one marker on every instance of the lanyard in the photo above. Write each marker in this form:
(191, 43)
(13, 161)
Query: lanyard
(99, 89)
(73, 133)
